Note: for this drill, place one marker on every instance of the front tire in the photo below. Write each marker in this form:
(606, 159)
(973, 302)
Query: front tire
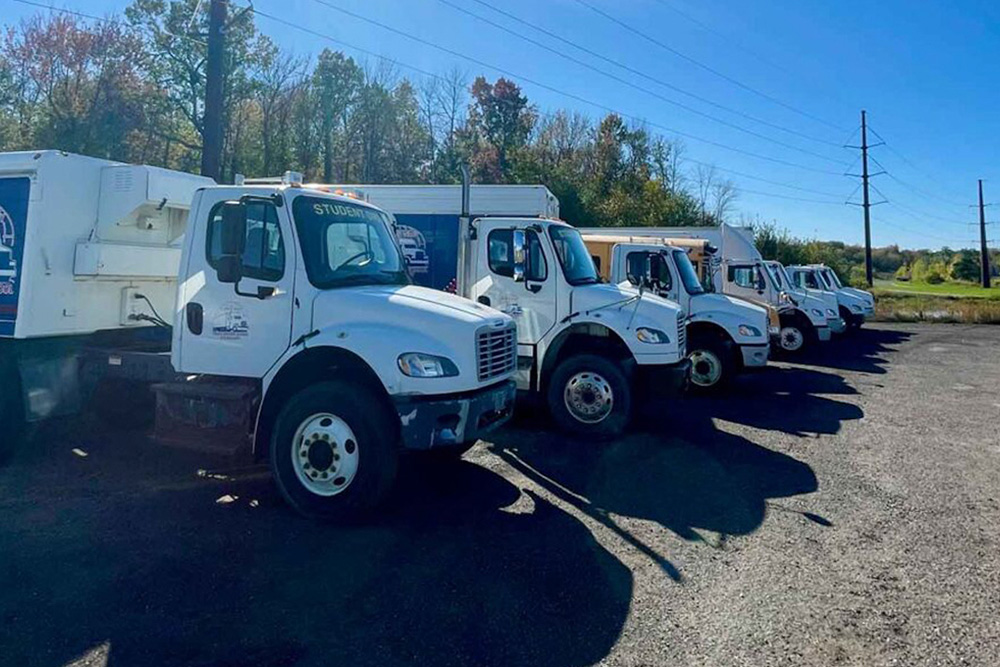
(589, 395)
(795, 336)
(334, 451)
(713, 364)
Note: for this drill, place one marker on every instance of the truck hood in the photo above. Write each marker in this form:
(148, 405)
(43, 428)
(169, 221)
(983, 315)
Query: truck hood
(408, 304)
(866, 297)
(590, 297)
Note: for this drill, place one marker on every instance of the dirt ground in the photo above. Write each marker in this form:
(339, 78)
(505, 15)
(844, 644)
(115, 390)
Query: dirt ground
(844, 509)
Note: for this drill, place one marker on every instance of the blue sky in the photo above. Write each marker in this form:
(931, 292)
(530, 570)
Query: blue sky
(925, 71)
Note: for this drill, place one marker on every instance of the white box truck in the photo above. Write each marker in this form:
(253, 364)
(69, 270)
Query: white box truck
(854, 305)
(588, 350)
(737, 268)
(725, 335)
(277, 313)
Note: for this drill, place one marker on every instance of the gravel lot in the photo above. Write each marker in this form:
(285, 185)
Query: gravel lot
(844, 510)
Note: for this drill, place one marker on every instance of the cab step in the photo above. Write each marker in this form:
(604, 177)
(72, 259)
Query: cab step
(207, 414)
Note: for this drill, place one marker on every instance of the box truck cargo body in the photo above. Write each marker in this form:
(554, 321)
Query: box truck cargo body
(427, 218)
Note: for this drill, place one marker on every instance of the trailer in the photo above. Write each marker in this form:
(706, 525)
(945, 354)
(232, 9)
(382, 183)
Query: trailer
(277, 315)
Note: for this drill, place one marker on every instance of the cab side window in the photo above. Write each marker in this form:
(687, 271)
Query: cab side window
(500, 246)
(263, 246)
(743, 276)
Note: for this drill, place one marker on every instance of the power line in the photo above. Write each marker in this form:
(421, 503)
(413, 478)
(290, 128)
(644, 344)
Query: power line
(628, 83)
(432, 75)
(569, 95)
(640, 73)
(912, 166)
(101, 19)
(703, 66)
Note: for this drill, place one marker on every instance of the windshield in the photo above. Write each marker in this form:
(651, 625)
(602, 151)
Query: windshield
(577, 264)
(688, 274)
(777, 274)
(347, 244)
(831, 277)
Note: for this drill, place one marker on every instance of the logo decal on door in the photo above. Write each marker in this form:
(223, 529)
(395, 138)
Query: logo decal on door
(230, 322)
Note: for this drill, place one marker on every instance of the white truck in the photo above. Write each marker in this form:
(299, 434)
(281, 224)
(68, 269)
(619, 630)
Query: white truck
(725, 335)
(784, 280)
(589, 350)
(277, 314)
(737, 268)
(854, 305)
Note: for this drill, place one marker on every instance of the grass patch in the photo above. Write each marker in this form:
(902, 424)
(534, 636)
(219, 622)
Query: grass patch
(965, 290)
(903, 307)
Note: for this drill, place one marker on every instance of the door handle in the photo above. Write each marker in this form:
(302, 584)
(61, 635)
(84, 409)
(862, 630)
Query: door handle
(195, 316)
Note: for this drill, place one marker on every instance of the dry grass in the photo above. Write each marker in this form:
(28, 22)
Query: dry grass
(895, 307)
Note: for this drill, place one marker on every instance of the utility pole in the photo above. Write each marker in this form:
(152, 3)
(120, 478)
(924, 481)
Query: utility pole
(866, 203)
(211, 153)
(984, 254)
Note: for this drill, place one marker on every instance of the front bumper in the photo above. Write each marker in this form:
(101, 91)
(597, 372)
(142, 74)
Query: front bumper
(755, 356)
(664, 380)
(823, 333)
(838, 325)
(445, 421)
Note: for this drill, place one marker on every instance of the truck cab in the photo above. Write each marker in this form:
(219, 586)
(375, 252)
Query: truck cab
(305, 294)
(814, 300)
(854, 305)
(725, 335)
(587, 348)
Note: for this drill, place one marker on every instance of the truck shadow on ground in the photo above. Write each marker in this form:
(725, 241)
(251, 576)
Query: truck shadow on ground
(862, 351)
(784, 399)
(137, 564)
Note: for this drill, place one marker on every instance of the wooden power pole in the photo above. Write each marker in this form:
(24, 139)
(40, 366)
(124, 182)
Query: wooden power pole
(211, 153)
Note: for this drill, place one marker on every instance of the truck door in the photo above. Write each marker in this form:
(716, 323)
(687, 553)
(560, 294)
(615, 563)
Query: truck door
(239, 334)
(747, 281)
(531, 301)
(631, 261)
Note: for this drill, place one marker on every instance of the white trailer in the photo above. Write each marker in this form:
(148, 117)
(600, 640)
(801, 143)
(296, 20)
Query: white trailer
(278, 314)
(587, 350)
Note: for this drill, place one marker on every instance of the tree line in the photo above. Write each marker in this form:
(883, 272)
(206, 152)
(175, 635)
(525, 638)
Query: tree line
(132, 88)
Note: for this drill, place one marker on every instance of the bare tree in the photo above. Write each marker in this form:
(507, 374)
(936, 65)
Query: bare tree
(724, 194)
(704, 176)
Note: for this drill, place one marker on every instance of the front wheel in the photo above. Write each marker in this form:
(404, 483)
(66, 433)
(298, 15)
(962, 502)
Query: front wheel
(712, 364)
(334, 452)
(590, 395)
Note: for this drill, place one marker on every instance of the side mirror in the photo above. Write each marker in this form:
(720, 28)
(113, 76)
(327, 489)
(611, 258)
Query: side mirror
(520, 259)
(761, 284)
(232, 239)
(229, 269)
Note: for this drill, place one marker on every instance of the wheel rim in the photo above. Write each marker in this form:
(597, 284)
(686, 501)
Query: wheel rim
(325, 454)
(588, 397)
(791, 339)
(706, 368)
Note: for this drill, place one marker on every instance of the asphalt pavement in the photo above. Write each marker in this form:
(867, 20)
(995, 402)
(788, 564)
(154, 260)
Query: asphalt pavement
(843, 509)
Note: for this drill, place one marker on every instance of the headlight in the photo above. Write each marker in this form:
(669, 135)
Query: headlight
(856, 307)
(749, 331)
(830, 313)
(817, 312)
(419, 365)
(652, 336)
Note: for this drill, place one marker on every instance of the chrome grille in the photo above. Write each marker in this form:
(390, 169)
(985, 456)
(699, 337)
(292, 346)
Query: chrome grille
(681, 334)
(496, 351)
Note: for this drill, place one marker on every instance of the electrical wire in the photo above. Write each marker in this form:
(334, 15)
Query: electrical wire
(703, 66)
(632, 70)
(569, 95)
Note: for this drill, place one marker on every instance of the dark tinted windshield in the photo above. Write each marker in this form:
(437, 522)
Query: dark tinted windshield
(347, 244)
(576, 262)
(689, 276)
(832, 278)
(776, 275)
